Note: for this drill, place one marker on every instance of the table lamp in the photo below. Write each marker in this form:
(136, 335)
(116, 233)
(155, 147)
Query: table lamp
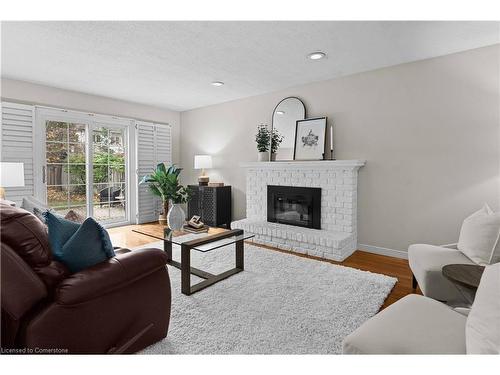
(11, 175)
(202, 162)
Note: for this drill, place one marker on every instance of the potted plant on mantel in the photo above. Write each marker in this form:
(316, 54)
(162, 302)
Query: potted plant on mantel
(164, 183)
(262, 139)
(276, 139)
(265, 138)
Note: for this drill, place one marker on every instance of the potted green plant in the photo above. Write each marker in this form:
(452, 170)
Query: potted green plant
(262, 138)
(276, 139)
(165, 184)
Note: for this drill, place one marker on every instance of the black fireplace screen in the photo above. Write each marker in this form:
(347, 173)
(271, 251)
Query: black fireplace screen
(292, 205)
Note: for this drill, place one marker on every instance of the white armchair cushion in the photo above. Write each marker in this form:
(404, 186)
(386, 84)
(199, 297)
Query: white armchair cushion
(480, 237)
(413, 325)
(426, 263)
(482, 329)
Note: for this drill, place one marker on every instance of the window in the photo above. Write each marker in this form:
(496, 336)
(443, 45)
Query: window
(66, 166)
(109, 187)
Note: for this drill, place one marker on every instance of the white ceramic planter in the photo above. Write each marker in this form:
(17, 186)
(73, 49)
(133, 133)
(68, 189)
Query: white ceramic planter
(264, 156)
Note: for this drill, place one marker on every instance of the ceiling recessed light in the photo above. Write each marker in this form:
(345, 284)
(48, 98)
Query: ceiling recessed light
(217, 83)
(280, 112)
(316, 55)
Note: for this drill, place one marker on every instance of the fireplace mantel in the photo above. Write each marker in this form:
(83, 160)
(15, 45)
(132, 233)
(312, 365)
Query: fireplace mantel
(327, 164)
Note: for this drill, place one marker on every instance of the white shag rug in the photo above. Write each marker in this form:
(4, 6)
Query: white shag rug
(280, 304)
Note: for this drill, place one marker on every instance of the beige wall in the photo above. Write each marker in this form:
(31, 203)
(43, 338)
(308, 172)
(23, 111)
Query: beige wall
(26, 92)
(428, 130)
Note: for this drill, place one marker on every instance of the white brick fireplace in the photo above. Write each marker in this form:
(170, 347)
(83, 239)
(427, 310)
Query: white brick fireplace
(337, 238)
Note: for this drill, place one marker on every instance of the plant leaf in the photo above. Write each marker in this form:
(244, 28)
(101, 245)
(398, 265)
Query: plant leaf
(161, 168)
(147, 178)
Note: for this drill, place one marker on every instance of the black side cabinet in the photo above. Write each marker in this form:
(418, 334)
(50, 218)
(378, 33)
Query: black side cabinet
(213, 204)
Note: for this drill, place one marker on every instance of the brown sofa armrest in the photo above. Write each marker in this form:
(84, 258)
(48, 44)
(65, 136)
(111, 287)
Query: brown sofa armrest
(21, 287)
(109, 276)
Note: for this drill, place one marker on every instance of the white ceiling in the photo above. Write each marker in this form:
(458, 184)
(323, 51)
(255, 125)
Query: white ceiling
(171, 64)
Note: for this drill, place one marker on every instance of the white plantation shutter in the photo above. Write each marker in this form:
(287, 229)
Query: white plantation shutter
(154, 145)
(146, 160)
(163, 148)
(163, 144)
(16, 145)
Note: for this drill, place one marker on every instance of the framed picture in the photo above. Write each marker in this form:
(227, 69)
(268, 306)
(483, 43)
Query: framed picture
(310, 139)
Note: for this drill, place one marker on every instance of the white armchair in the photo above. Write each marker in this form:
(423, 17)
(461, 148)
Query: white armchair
(426, 263)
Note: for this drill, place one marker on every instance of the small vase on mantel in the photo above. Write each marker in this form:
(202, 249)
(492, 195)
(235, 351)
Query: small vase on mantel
(264, 156)
(176, 217)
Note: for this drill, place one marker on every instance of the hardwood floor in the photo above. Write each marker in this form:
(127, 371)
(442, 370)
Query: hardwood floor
(124, 237)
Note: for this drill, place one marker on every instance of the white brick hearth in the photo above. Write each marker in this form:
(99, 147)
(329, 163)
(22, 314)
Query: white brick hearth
(337, 179)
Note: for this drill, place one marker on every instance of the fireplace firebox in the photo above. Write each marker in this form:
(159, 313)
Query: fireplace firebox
(300, 206)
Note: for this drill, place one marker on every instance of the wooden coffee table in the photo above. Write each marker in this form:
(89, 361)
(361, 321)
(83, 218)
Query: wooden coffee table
(465, 277)
(215, 238)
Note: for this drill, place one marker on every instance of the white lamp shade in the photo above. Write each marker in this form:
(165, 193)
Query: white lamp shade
(11, 174)
(202, 161)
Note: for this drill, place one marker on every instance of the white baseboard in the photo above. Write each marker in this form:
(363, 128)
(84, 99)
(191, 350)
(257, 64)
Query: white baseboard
(383, 251)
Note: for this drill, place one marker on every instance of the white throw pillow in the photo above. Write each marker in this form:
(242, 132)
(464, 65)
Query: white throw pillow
(480, 236)
(33, 205)
(482, 329)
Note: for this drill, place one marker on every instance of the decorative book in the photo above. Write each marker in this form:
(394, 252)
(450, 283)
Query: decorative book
(187, 228)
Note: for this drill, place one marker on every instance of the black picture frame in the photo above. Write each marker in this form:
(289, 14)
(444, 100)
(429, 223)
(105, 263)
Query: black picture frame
(323, 151)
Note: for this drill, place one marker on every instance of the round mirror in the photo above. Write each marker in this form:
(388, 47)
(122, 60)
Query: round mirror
(285, 116)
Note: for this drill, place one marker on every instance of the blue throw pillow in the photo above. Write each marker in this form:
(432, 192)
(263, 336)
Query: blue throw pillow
(78, 246)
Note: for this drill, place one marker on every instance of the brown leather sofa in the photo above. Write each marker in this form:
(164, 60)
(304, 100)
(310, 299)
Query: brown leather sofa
(119, 306)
